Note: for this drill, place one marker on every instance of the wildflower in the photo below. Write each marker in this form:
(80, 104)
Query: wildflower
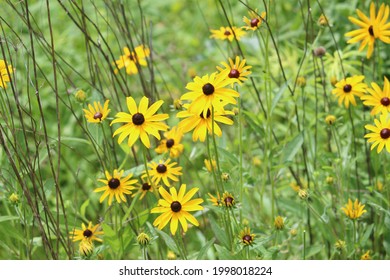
(340, 245)
(116, 186)
(279, 223)
(323, 20)
(319, 52)
(171, 255)
(143, 239)
(346, 89)
(144, 188)
(141, 122)
(329, 180)
(175, 207)
(301, 81)
(80, 96)
(380, 134)
(379, 186)
(163, 171)
(294, 185)
(88, 233)
(246, 237)
(366, 256)
(132, 60)
(235, 72)
(333, 80)
(85, 247)
(216, 201)
(210, 165)
(254, 21)
(293, 232)
(228, 200)
(378, 98)
(372, 28)
(227, 33)
(355, 210)
(330, 119)
(303, 194)
(225, 176)
(256, 161)
(97, 113)
(171, 143)
(4, 73)
(209, 91)
(14, 198)
(177, 104)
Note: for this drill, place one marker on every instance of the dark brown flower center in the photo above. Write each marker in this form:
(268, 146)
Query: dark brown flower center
(247, 239)
(161, 168)
(385, 133)
(254, 22)
(207, 116)
(138, 119)
(114, 183)
(347, 88)
(98, 115)
(227, 33)
(87, 233)
(229, 201)
(175, 206)
(234, 73)
(371, 30)
(131, 57)
(385, 101)
(208, 89)
(170, 143)
(146, 186)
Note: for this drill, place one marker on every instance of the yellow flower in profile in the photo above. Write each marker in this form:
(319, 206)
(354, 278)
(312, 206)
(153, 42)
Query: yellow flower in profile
(378, 98)
(97, 113)
(353, 210)
(175, 206)
(279, 223)
(366, 256)
(210, 165)
(4, 73)
(236, 71)
(131, 60)
(380, 134)
(246, 237)
(89, 233)
(227, 33)
(346, 89)
(254, 21)
(141, 122)
(171, 143)
(163, 171)
(144, 188)
(115, 185)
(216, 201)
(371, 28)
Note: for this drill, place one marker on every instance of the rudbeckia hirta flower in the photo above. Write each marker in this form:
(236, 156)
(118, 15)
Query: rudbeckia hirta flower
(380, 134)
(366, 256)
(236, 71)
(141, 122)
(171, 143)
(378, 98)
(4, 73)
(117, 186)
(144, 188)
(279, 223)
(346, 89)
(131, 59)
(246, 237)
(216, 201)
(89, 233)
(227, 33)
(210, 165)
(353, 210)
(254, 21)
(175, 206)
(228, 200)
(163, 171)
(85, 247)
(371, 28)
(97, 113)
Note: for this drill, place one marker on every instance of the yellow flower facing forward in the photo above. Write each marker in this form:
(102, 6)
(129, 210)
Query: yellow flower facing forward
(254, 21)
(380, 134)
(378, 98)
(366, 256)
(246, 237)
(132, 59)
(4, 73)
(236, 71)
(171, 143)
(175, 207)
(97, 113)
(371, 28)
(141, 122)
(227, 33)
(353, 210)
(116, 186)
(209, 91)
(145, 187)
(163, 171)
(346, 89)
(88, 233)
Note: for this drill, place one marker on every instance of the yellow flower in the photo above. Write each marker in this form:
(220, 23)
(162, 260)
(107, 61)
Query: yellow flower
(216, 201)
(4, 73)
(228, 200)
(330, 119)
(378, 98)
(89, 233)
(141, 122)
(14, 198)
(254, 21)
(366, 256)
(379, 186)
(346, 89)
(355, 210)
(340, 245)
(303, 194)
(85, 247)
(246, 237)
(175, 207)
(116, 186)
(132, 60)
(144, 188)
(301, 81)
(171, 255)
(210, 165)
(163, 171)
(323, 20)
(235, 72)
(171, 143)
(380, 134)
(372, 28)
(97, 113)
(227, 33)
(279, 223)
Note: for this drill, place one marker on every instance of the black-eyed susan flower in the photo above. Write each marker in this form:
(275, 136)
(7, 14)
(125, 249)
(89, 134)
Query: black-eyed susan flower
(132, 59)
(330, 119)
(80, 96)
(97, 113)
(380, 134)
(89, 233)
(216, 201)
(371, 28)
(141, 122)
(323, 20)
(210, 165)
(228, 200)
(117, 186)
(301, 81)
(227, 33)
(340, 245)
(145, 187)
(4, 73)
(163, 171)
(378, 98)
(143, 239)
(175, 207)
(346, 89)
(246, 237)
(85, 247)
(254, 21)
(366, 256)
(171, 143)
(354, 210)
(235, 71)
(14, 198)
(279, 223)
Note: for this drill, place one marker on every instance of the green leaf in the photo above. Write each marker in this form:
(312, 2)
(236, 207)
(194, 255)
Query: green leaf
(83, 208)
(227, 155)
(366, 234)
(8, 218)
(111, 238)
(205, 248)
(277, 97)
(168, 241)
(292, 148)
(224, 254)
(219, 233)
